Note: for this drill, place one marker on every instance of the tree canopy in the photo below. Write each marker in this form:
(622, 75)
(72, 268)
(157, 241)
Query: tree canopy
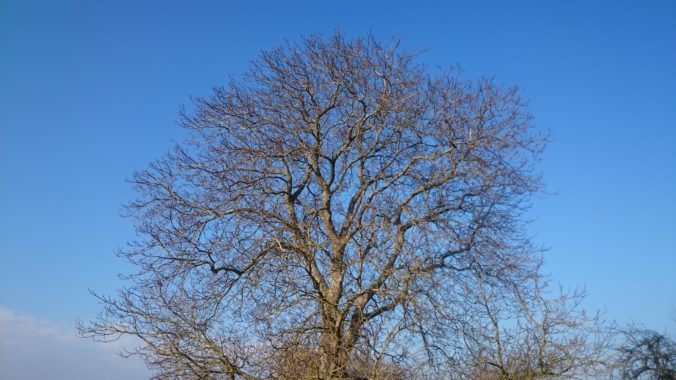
(335, 214)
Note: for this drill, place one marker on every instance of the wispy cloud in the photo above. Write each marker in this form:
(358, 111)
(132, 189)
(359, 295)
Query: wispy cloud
(32, 348)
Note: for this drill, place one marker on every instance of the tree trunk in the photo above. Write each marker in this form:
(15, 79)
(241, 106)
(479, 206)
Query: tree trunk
(333, 350)
(334, 357)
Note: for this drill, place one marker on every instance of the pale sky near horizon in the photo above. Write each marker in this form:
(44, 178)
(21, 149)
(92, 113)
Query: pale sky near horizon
(90, 91)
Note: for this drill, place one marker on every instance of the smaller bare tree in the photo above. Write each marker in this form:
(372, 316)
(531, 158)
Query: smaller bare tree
(521, 332)
(646, 354)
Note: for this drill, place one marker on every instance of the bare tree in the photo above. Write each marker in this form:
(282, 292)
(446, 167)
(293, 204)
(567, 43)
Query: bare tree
(646, 354)
(522, 332)
(336, 204)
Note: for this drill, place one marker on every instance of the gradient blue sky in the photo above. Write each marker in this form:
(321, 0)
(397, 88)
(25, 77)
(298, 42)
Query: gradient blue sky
(90, 91)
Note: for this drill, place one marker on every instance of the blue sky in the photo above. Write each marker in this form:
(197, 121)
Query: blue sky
(90, 91)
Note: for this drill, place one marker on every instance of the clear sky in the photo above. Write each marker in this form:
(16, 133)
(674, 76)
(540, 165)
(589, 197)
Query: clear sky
(90, 91)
